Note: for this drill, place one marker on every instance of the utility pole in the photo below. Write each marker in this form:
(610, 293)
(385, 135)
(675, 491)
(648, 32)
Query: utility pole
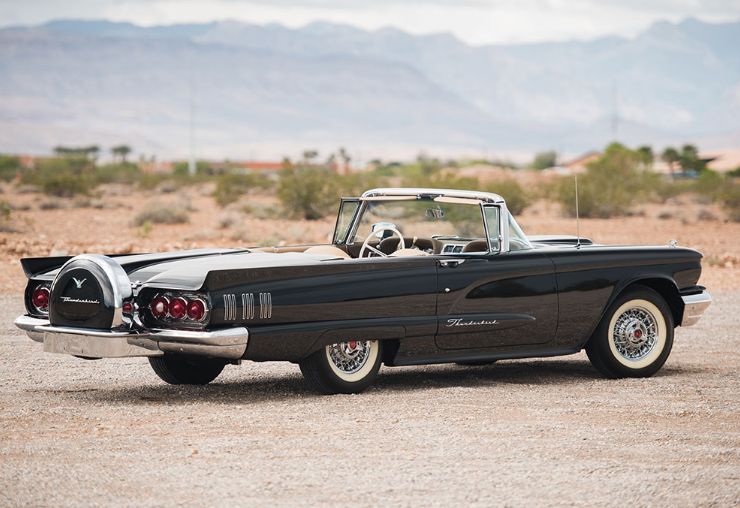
(615, 113)
(191, 159)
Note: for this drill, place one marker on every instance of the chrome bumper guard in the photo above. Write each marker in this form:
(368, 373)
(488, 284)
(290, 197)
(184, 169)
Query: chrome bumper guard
(230, 343)
(694, 306)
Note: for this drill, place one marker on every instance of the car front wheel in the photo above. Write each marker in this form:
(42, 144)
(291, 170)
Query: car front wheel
(635, 336)
(344, 367)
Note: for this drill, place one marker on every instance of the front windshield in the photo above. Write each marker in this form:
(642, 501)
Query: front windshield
(422, 218)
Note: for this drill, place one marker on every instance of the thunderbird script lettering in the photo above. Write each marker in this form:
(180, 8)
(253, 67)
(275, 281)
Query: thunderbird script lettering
(462, 322)
(69, 299)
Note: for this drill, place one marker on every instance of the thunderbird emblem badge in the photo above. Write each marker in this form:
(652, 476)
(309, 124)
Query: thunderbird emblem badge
(79, 283)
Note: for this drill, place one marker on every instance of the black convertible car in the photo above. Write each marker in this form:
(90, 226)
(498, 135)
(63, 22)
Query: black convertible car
(413, 276)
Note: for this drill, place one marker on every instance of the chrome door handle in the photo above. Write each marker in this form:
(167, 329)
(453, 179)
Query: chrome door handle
(451, 263)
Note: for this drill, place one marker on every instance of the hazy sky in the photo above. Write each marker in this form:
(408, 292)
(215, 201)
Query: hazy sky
(474, 21)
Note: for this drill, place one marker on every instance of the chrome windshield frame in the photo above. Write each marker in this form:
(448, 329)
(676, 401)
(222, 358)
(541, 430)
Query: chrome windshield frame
(393, 194)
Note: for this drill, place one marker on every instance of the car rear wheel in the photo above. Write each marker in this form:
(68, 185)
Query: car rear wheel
(635, 336)
(186, 370)
(344, 367)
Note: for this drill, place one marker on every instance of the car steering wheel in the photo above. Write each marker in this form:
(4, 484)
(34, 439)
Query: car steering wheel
(366, 243)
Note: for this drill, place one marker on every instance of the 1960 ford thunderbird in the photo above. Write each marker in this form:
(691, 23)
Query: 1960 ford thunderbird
(413, 276)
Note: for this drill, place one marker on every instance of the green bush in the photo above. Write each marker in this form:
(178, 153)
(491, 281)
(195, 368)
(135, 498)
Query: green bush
(611, 186)
(62, 177)
(308, 193)
(230, 187)
(710, 183)
(161, 214)
(730, 198)
(5, 210)
(125, 172)
(9, 167)
(516, 198)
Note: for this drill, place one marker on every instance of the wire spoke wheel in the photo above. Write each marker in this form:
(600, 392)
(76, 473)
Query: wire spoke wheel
(349, 366)
(350, 356)
(635, 333)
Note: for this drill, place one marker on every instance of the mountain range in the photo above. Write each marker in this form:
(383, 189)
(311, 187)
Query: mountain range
(264, 90)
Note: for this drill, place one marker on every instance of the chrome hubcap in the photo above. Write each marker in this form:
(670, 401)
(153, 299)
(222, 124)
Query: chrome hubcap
(350, 356)
(635, 333)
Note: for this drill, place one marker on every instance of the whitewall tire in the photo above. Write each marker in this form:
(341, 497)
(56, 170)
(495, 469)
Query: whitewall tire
(635, 335)
(344, 367)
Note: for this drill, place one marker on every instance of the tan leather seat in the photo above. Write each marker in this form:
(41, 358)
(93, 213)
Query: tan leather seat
(389, 245)
(407, 252)
(328, 250)
(476, 246)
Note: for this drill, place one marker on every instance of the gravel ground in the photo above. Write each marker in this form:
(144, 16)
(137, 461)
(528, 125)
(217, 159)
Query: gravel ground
(534, 432)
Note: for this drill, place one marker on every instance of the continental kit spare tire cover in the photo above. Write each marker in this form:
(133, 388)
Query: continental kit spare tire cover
(88, 292)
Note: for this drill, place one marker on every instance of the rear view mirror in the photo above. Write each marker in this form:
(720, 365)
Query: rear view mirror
(435, 213)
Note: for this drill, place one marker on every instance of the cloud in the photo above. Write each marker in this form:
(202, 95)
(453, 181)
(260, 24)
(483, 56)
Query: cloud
(474, 21)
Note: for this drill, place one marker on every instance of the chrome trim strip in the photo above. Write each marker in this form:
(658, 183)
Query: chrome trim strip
(694, 306)
(229, 343)
(229, 307)
(488, 197)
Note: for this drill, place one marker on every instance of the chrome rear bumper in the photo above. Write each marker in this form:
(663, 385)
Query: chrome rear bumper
(694, 306)
(229, 343)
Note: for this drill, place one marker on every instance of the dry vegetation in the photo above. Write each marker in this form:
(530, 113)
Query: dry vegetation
(121, 218)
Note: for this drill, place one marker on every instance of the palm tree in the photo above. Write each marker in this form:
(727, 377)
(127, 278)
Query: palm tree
(121, 151)
(670, 156)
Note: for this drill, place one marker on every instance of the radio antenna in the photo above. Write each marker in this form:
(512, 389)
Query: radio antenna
(578, 221)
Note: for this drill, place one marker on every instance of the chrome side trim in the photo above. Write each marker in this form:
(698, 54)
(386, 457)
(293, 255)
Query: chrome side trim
(247, 306)
(694, 306)
(229, 307)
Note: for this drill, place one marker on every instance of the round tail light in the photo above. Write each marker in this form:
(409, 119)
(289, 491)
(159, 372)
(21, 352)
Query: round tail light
(127, 308)
(159, 307)
(40, 298)
(196, 309)
(178, 308)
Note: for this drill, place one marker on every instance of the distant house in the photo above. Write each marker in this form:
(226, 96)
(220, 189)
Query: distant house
(154, 166)
(722, 161)
(264, 167)
(579, 164)
(31, 161)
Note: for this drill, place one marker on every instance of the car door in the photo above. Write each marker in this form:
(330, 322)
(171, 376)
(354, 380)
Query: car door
(500, 299)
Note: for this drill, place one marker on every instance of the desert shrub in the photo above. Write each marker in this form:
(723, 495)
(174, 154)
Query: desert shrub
(308, 193)
(9, 167)
(230, 187)
(161, 214)
(354, 184)
(50, 205)
(705, 214)
(125, 172)
(516, 198)
(6, 224)
(544, 160)
(730, 198)
(664, 189)
(62, 177)
(5, 210)
(710, 184)
(611, 185)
